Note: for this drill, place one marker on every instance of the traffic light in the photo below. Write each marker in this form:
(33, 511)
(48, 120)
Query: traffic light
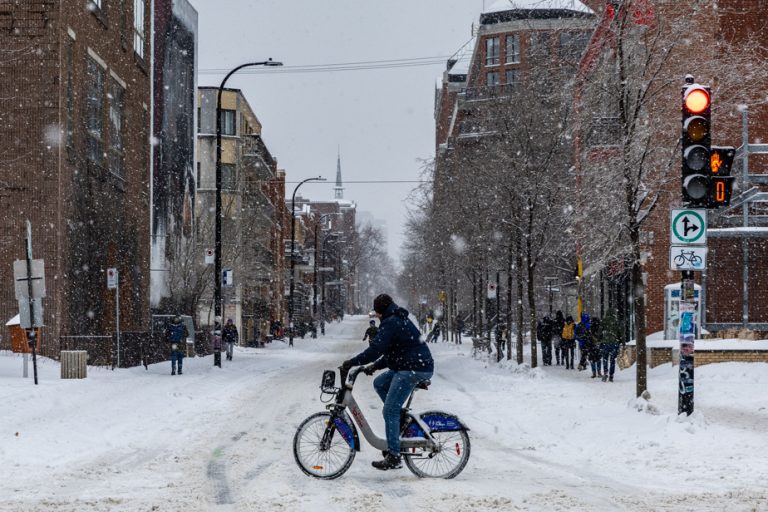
(696, 142)
(720, 180)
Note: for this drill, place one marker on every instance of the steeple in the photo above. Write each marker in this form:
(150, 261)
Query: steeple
(338, 190)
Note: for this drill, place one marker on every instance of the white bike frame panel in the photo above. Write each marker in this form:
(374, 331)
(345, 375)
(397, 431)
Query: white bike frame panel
(379, 443)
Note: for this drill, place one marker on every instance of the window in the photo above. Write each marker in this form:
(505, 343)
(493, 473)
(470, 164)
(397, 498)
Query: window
(198, 175)
(70, 134)
(116, 126)
(538, 48)
(513, 49)
(513, 76)
(227, 122)
(138, 27)
(492, 79)
(94, 111)
(572, 44)
(605, 131)
(492, 51)
(228, 177)
(199, 122)
(123, 24)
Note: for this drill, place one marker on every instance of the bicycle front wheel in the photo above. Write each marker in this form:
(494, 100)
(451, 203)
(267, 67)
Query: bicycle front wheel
(448, 462)
(316, 461)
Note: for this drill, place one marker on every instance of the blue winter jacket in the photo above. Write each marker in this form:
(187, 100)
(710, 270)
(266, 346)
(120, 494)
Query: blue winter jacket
(397, 345)
(582, 331)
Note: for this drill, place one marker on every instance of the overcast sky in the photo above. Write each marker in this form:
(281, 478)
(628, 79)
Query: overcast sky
(381, 119)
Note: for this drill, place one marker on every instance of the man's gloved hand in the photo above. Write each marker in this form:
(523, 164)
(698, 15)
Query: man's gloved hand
(345, 366)
(369, 370)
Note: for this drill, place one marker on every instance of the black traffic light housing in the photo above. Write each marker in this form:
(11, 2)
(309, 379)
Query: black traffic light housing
(696, 143)
(720, 179)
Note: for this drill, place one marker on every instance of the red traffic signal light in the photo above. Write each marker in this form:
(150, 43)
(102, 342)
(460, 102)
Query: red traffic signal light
(695, 141)
(696, 99)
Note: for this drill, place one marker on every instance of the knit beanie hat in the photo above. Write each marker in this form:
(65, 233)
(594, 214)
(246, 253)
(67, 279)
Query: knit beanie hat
(381, 303)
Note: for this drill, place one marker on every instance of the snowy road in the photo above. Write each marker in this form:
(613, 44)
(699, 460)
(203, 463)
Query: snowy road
(220, 439)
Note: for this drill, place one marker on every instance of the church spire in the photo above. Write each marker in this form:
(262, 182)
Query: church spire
(338, 190)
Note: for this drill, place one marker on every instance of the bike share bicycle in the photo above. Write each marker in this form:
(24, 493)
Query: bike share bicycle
(433, 444)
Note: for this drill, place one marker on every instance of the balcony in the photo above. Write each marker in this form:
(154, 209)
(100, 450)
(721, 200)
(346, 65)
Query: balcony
(488, 93)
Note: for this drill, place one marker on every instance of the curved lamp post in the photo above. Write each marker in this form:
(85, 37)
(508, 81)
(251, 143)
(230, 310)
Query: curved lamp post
(293, 260)
(217, 243)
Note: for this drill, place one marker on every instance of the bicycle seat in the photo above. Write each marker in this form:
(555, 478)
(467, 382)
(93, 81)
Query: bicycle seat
(424, 384)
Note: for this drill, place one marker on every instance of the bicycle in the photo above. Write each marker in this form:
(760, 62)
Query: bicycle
(690, 257)
(433, 444)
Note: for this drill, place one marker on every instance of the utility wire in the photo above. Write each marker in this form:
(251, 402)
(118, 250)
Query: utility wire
(373, 181)
(342, 66)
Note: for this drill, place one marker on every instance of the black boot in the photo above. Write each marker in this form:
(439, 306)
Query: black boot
(389, 462)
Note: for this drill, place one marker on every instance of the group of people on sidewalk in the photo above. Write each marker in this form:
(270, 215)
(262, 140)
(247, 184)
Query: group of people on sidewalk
(598, 342)
(176, 334)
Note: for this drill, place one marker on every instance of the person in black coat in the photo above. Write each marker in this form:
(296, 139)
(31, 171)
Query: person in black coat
(398, 347)
(557, 337)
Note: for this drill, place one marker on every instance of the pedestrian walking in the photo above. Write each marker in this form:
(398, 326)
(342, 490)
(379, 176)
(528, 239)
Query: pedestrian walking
(371, 332)
(557, 337)
(609, 345)
(501, 337)
(459, 329)
(583, 337)
(230, 337)
(546, 340)
(569, 343)
(593, 352)
(216, 344)
(176, 335)
(434, 333)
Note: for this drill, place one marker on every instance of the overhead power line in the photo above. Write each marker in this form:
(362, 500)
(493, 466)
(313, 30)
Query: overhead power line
(342, 66)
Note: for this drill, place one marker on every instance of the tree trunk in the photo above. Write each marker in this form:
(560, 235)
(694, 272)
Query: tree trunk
(520, 321)
(532, 316)
(638, 296)
(509, 301)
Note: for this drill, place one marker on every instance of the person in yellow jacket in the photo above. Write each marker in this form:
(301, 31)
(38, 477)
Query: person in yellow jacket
(569, 342)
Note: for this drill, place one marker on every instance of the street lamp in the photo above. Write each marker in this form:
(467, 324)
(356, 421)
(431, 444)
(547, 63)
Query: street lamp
(293, 261)
(217, 243)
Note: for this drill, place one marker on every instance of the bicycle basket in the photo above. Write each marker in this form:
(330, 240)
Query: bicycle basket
(328, 384)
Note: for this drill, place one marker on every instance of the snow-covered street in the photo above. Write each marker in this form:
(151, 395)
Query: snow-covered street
(220, 439)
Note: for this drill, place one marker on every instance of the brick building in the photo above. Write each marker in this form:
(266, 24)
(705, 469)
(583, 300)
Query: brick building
(730, 299)
(74, 119)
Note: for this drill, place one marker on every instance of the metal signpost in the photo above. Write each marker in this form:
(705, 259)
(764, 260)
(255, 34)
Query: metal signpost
(29, 277)
(687, 253)
(113, 283)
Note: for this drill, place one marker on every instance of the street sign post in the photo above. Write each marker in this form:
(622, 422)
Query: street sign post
(113, 283)
(688, 227)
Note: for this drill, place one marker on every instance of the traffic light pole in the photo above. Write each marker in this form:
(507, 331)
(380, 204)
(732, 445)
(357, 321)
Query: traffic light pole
(687, 337)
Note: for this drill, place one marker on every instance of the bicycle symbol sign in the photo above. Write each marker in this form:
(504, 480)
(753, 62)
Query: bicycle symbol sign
(688, 227)
(686, 257)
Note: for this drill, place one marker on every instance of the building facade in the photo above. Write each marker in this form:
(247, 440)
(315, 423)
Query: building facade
(252, 223)
(173, 153)
(74, 131)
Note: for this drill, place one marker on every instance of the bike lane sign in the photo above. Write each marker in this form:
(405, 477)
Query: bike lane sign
(688, 227)
(687, 257)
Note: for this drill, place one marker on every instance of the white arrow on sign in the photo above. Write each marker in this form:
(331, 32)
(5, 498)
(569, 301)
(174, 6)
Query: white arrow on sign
(688, 227)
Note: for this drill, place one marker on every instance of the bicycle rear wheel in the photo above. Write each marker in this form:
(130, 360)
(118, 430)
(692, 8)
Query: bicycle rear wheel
(310, 456)
(446, 463)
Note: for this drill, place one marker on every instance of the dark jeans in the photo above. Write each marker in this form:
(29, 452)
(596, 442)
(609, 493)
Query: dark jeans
(569, 347)
(177, 355)
(546, 352)
(394, 388)
(609, 351)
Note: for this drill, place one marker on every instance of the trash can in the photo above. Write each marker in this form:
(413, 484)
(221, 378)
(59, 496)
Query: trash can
(74, 364)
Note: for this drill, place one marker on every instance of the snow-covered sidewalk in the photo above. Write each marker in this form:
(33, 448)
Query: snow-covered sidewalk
(220, 439)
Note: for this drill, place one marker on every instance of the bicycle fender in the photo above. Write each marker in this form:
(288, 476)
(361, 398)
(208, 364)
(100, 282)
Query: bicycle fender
(347, 429)
(439, 421)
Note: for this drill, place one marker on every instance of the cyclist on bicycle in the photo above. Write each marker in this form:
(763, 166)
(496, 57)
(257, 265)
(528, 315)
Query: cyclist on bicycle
(398, 347)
